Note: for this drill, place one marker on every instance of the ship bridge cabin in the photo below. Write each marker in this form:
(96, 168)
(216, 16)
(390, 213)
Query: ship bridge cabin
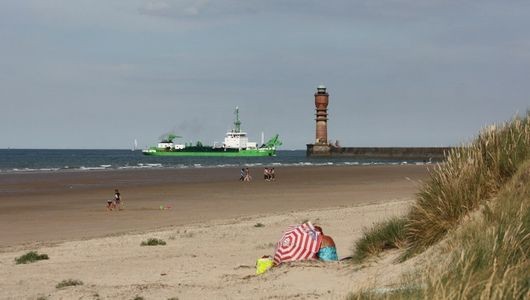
(238, 140)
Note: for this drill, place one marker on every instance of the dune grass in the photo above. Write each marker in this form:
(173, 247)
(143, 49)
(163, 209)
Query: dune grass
(386, 235)
(30, 257)
(478, 201)
(68, 282)
(487, 257)
(471, 176)
(153, 242)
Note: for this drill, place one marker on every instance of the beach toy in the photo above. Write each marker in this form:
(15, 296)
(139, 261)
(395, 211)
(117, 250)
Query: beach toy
(162, 207)
(263, 264)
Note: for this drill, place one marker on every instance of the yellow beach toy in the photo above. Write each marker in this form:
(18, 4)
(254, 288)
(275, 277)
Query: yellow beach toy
(263, 264)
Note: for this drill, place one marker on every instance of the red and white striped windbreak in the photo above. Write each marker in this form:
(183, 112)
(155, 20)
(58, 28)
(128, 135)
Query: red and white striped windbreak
(299, 242)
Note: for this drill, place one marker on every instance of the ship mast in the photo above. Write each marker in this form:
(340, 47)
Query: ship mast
(237, 123)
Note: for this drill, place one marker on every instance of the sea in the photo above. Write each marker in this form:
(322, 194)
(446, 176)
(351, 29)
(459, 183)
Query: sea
(42, 160)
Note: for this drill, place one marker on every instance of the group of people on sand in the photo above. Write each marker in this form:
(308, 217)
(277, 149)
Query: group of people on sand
(269, 174)
(245, 175)
(114, 204)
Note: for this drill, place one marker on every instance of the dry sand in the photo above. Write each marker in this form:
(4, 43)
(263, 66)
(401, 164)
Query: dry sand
(212, 243)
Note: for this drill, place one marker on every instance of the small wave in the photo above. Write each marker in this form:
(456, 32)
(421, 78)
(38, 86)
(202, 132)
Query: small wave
(154, 165)
(91, 168)
(254, 165)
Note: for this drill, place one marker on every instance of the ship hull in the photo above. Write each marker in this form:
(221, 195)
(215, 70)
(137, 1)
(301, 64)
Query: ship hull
(240, 153)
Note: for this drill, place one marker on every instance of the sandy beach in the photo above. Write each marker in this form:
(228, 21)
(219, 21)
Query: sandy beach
(212, 240)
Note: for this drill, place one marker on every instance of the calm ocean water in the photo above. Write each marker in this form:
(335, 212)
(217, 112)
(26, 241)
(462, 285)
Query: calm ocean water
(30, 160)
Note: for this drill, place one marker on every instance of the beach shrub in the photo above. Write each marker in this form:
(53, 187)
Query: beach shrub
(478, 202)
(138, 298)
(259, 225)
(402, 293)
(385, 235)
(30, 257)
(68, 282)
(487, 257)
(470, 176)
(153, 242)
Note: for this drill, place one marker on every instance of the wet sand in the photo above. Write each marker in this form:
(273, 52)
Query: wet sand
(51, 207)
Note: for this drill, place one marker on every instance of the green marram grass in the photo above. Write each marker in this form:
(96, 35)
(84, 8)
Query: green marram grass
(68, 282)
(30, 257)
(153, 242)
(478, 201)
(471, 176)
(382, 236)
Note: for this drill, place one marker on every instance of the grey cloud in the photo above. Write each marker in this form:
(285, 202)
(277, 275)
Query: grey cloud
(352, 9)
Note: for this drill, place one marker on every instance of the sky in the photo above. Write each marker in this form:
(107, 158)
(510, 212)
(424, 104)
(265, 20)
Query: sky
(97, 74)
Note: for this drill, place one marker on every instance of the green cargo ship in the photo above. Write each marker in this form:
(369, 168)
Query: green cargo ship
(236, 144)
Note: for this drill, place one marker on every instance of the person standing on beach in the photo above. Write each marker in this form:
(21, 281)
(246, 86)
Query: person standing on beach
(266, 174)
(247, 175)
(242, 175)
(117, 199)
(272, 176)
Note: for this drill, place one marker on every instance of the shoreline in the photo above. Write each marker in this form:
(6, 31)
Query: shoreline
(47, 208)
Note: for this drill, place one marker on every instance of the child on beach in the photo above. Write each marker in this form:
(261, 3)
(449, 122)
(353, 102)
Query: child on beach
(110, 204)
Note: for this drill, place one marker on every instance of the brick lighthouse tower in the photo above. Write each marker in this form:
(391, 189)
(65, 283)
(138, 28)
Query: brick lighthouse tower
(321, 107)
(321, 146)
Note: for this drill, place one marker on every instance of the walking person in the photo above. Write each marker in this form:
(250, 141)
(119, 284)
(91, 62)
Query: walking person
(266, 174)
(247, 175)
(242, 175)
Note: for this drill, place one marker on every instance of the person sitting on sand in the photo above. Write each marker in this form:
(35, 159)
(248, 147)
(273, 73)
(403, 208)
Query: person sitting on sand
(328, 251)
(110, 204)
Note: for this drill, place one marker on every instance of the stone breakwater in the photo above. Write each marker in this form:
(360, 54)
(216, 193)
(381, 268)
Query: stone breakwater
(414, 153)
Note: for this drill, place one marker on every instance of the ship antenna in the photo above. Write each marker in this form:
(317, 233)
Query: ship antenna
(237, 123)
